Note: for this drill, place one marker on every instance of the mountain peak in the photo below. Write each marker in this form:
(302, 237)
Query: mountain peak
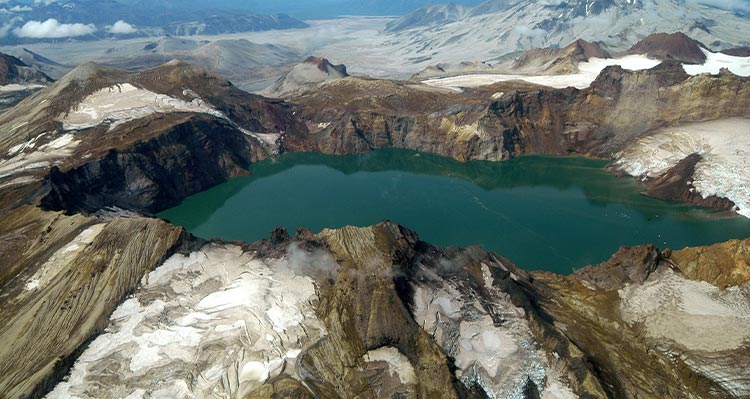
(671, 46)
(310, 72)
(559, 60)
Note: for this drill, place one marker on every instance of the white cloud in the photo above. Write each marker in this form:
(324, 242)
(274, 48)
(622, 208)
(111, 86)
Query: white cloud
(18, 8)
(51, 28)
(45, 2)
(5, 29)
(122, 27)
(525, 31)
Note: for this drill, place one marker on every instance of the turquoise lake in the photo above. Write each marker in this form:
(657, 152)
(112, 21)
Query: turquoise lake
(549, 213)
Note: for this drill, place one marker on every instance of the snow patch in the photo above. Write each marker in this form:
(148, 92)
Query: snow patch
(588, 71)
(63, 259)
(498, 358)
(124, 102)
(398, 363)
(215, 323)
(716, 61)
(724, 145)
(22, 161)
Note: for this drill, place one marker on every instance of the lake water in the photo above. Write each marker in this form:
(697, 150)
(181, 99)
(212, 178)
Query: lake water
(549, 213)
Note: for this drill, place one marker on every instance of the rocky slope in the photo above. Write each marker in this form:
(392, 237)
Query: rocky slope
(429, 15)
(95, 120)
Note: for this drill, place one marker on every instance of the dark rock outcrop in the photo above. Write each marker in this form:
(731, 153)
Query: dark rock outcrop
(630, 265)
(155, 174)
(677, 184)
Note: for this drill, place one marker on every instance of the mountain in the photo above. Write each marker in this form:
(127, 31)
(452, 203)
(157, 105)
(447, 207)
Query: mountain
(243, 62)
(15, 71)
(558, 61)
(42, 63)
(675, 46)
(18, 81)
(429, 15)
(326, 9)
(447, 69)
(218, 24)
(304, 76)
(488, 34)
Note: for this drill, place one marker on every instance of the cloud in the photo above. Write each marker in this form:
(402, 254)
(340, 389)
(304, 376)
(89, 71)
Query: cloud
(525, 31)
(122, 28)
(45, 2)
(6, 28)
(14, 9)
(313, 262)
(51, 28)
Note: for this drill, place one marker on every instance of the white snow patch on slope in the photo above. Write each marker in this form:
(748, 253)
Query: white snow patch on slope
(61, 259)
(43, 157)
(499, 358)
(588, 71)
(716, 61)
(397, 362)
(122, 103)
(215, 323)
(707, 325)
(724, 145)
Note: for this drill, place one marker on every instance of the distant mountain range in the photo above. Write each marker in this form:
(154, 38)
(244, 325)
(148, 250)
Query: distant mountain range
(499, 27)
(22, 22)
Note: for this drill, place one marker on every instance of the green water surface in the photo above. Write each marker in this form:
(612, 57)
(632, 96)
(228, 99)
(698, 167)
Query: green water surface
(549, 213)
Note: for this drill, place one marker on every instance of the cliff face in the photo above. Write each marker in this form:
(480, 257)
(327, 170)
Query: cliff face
(600, 120)
(155, 174)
